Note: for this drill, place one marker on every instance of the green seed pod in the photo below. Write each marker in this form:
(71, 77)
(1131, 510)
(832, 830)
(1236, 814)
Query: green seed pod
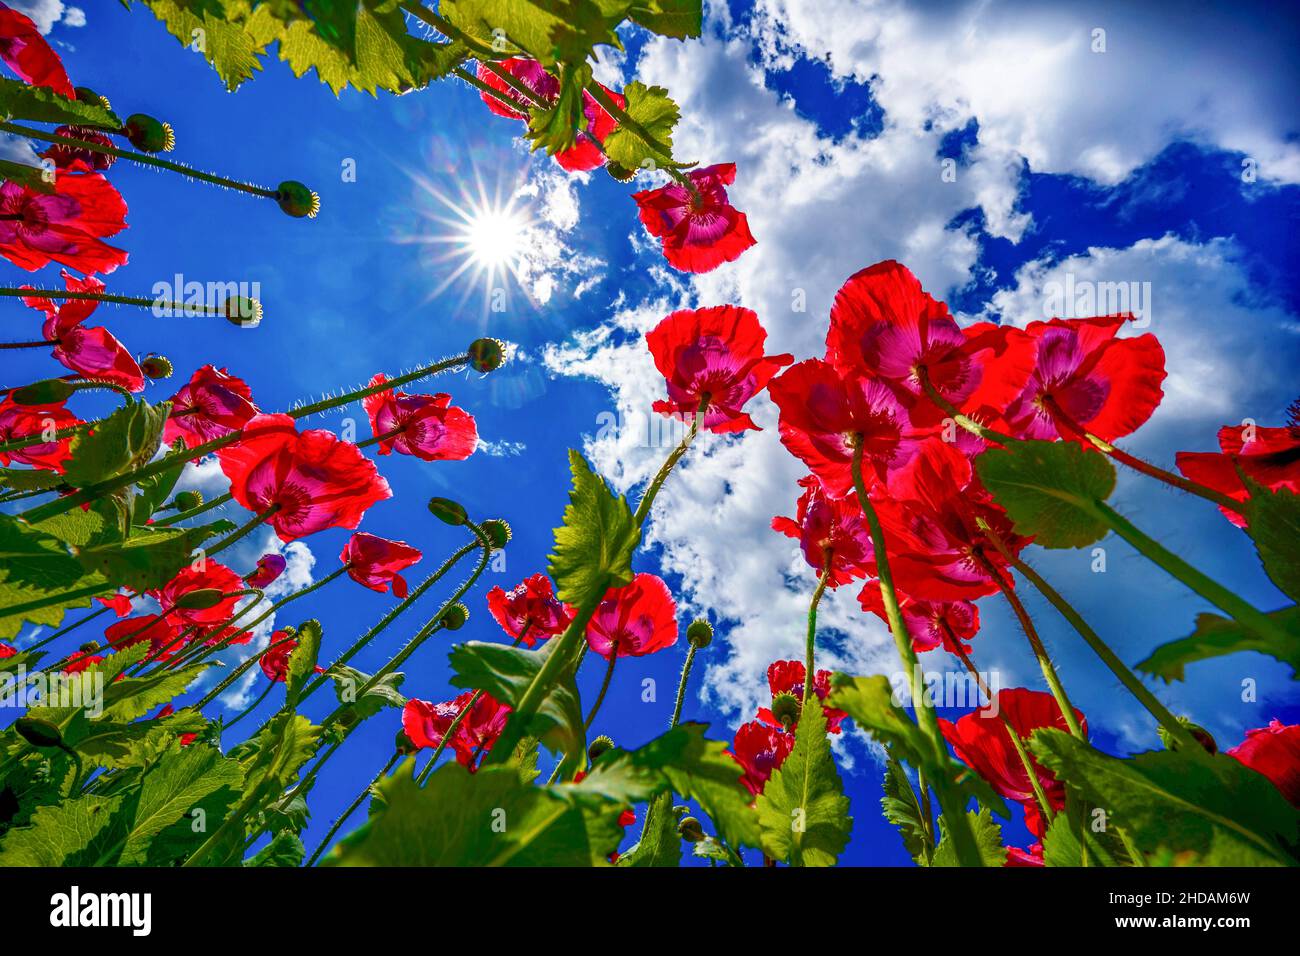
(599, 747)
(448, 511)
(200, 600)
(498, 532)
(297, 200)
(90, 647)
(86, 95)
(486, 355)
(187, 500)
(786, 708)
(49, 392)
(619, 172)
(690, 830)
(148, 134)
(38, 732)
(700, 633)
(1196, 730)
(156, 366)
(242, 311)
(454, 618)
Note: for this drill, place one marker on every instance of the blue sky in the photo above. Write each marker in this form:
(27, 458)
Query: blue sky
(839, 117)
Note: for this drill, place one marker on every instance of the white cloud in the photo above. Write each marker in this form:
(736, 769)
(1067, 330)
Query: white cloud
(44, 13)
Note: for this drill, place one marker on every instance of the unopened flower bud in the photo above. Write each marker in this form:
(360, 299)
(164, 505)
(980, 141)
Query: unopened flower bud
(200, 600)
(599, 747)
(690, 830)
(486, 355)
(49, 392)
(156, 366)
(38, 732)
(297, 200)
(498, 532)
(1196, 730)
(187, 500)
(619, 172)
(148, 134)
(448, 511)
(700, 633)
(454, 618)
(786, 708)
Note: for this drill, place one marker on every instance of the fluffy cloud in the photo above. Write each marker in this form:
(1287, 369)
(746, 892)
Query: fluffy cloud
(46, 13)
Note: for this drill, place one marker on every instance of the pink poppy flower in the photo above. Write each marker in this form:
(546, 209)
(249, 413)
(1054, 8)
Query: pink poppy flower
(376, 562)
(426, 724)
(120, 603)
(931, 624)
(530, 611)
(634, 620)
(718, 352)
(269, 568)
(426, 426)
(1267, 456)
(787, 677)
(275, 660)
(212, 576)
(94, 353)
(24, 421)
(760, 749)
(25, 51)
(831, 527)
(211, 404)
(67, 226)
(697, 235)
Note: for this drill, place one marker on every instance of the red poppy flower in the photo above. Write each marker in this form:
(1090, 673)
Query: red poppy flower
(634, 620)
(825, 525)
(160, 631)
(426, 724)
(787, 677)
(697, 235)
(938, 552)
(25, 51)
(426, 426)
(1268, 456)
(1086, 378)
(946, 624)
(269, 568)
(93, 352)
(981, 741)
(24, 421)
(6, 650)
(884, 324)
(79, 661)
(315, 480)
(530, 610)
(1274, 751)
(585, 154)
(66, 226)
(211, 404)
(824, 412)
(1030, 857)
(760, 749)
(716, 352)
(212, 576)
(119, 603)
(275, 659)
(64, 155)
(376, 562)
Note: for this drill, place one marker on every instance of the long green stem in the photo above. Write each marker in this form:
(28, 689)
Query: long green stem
(239, 534)
(1099, 647)
(681, 686)
(71, 627)
(975, 428)
(138, 300)
(810, 670)
(207, 506)
(648, 499)
(270, 686)
(604, 686)
(351, 809)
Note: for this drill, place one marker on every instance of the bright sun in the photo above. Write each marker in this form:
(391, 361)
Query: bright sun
(494, 236)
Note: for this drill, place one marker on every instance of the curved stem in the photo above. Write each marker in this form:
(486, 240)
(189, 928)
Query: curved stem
(221, 688)
(1036, 645)
(604, 686)
(811, 641)
(681, 686)
(270, 686)
(648, 499)
(71, 627)
(352, 808)
(249, 527)
(975, 428)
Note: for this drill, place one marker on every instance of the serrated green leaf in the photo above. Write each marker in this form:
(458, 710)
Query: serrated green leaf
(551, 31)
(347, 681)
(125, 440)
(594, 545)
(19, 101)
(215, 28)
(660, 845)
(285, 849)
(656, 114)
(150, 557)
(133, 697)
(302, 661)
(41, 180)
(902, 808)
(136, 744)
(84, 831)
(1273, 522)
(29, 479)
(670, 18)
(21, 604)
(171, 789)
(35, 559)
(1049, 490)
(1198, 807)
(802, 810)
(988, 838)
(1215, 636)
(554, 128)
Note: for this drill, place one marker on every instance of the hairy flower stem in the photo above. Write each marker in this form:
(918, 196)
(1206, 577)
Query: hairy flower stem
(392, 433)
(16, 444)
(681, 686)
(604, 686)
(1099, 647)
(954, 810)
(239, 534)
(648, 499)
(1239, 610)
(270, 686)
(811, 641)
(194, 512)
(238, 672)
(59, 633)
(351, 809)
(142, 158)
(101, 488)
(139, 300)
(990, 435)
(1036, 645)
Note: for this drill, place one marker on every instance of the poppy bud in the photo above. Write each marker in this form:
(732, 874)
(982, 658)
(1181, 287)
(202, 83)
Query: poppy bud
(90, 647)
(454, 618)
(38, 732)
(599, 747)
(297, 200)
(49, 392)
(1196, 730)
(498, 532)
(156, 366)
(242, 311)
(148, 134)
(347, 717)
(486, 355)
(86, 95)
(405, 746)
(187, 501)
(700, 633)
(785, 708)
(619, 172)
(200, 599)
(448, 511)
(690, 830)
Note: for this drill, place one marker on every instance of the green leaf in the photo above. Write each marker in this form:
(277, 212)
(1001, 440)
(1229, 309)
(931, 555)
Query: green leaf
(1273, 521)
(988, 838)
(506, 673)
(347, 681)
(18, 101)
(1201, 809)
(285, 849)
(670, 18)
(1215, 636)
(136, 744)
(21, 604)
(802, 810)
(150, 557)
(594, 545)
(273, 757)
(83, 831)
(1049, 489)
(156, 490)
(302, 661)
(660, 845)
(171, 789)
(552, 31)
(35, 559)
(489, 818)
(124, 440)
(42, 181)
(654, 112)
(29, 479)
(902, 808)
(554, 128)
(133, 697)
(870, 702)
(215, 28)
